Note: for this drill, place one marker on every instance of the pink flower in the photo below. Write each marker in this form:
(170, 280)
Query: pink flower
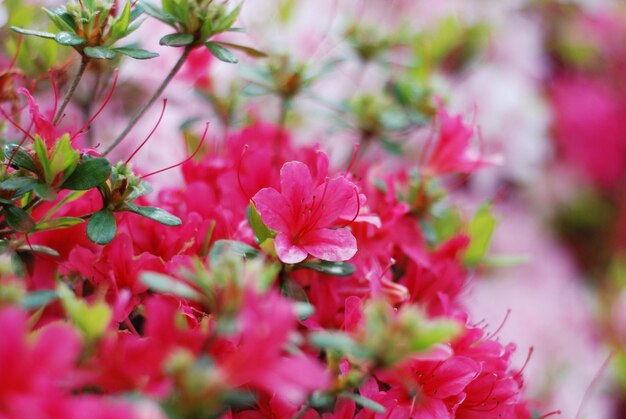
(452, 153)
(305, 211)
(43, 125)
(259, 361)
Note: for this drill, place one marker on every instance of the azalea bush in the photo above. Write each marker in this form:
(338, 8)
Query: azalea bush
(206, 212)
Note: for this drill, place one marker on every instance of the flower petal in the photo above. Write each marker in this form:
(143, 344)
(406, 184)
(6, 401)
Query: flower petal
(331, 245)
(296, 183)
(288, 252)
(334, 197)
(273, 208)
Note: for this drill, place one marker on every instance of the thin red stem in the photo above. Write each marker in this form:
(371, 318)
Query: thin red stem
(245, 149)
(184, 161)
(15, 124)
(151, 132)
(104, 104)
(55, 91)
(506, 317)
(17, 52)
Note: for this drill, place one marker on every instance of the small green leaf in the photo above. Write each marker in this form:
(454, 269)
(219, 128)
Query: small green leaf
(252, 52)
(156, 214)
(120, 25)
(58, 223)
(88, 174)
(303, 310)
(45, 191)
(177, 39)
(37, 248)
(329, 268)
(20, 185)
(136, 12)
(92, 319)
(41, 152)
(223, 247)
(335, 342)
(99, 53)
(61, 19)
(38, 299)
(69, 38)
(18, 219)
(21, 157)
(294, 291)
(101, 227)
(136, 53)
(226, 22)
(480, 230)
(391, 147)
(40, 34)
(364, 402)
(221, 53)
(261, 231)
(168, 285)
(157, 13)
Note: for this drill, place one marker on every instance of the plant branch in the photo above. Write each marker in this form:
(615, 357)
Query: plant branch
(68, 96)
(154, 97)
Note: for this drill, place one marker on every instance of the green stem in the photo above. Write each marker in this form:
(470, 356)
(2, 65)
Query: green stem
(68, 96)
(154, 97)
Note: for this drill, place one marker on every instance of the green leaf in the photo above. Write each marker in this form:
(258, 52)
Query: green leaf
(38, 299)
(63, 159)
(294, 291)
(156, 214)
(223, 247)
(177, 39)
(20, 185)
(225, 23)
(364, 402)
(99, 53)
(252, 52)
(480, 230)
(120, 25)
(391, 147)
(157, 13)
(61, 19)
(136, 53)
(69, 38)
(101, 227)
(18, 219)
(37, 248)
(303, 310)
(58, 223)
(88, 174)
(168, 285)
(40, 34)
(335, 342)
(221, 53)
(45, 192)
(329, 268)
(261, 231)
(136, 12)
(21, 158)
(92, 319)
(41, 152)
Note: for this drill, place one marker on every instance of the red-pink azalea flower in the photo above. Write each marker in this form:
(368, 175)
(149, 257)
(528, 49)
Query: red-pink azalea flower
(43, 125)
(304, 212)
(451, 152)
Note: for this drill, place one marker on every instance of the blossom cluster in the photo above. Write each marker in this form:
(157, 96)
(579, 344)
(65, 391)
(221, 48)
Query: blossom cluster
(308, 256)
